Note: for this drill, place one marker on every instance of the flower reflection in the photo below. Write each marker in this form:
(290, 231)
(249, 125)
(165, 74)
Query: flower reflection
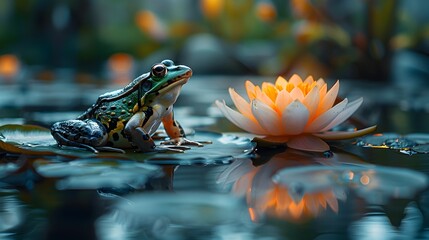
(279, 203)
(297, 112)
(266, 197)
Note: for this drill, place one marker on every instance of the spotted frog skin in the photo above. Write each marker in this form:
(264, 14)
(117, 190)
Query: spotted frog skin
(128, 117)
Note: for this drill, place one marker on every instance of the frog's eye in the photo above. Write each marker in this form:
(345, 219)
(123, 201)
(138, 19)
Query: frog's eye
(159, 70)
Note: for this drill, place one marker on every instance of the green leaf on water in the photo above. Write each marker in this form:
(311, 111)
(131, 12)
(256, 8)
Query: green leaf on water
(33, 140)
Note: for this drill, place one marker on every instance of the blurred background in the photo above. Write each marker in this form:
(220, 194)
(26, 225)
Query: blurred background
(109, 40)
(56, 57)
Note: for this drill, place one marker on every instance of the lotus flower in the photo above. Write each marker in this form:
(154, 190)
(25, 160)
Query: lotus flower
(296, 112)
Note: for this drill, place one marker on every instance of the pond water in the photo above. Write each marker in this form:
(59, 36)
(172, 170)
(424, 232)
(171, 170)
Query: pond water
(374, 187)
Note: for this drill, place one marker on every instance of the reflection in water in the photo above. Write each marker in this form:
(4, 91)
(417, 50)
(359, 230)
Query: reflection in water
(11, 214)
(291, 187)
(279, 203)
(17, 220)
(376, 225)
(266, 197)
(185, 215)
(375, 184)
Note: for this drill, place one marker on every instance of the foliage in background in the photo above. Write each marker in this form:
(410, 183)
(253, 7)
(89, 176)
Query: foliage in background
(338, 38)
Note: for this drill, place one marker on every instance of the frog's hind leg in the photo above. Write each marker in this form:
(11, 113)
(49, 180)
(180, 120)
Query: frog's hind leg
(89, 134)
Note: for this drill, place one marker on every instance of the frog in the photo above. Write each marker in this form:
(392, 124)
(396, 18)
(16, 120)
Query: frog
(129, 117)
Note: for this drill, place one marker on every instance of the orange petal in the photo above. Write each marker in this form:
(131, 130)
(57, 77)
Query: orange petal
(323, 88)
(294, 118)
(281, 83)
(311, 101)
(323, 120)
(266, 117)
(320, 82)
(296, 93)
(264, 98)
(239, 120)
(328, 100)
(309, 80)
(283, 100)
(250, 89)
(270, 90)
(241, 104)
(308, 143)
(295, 80)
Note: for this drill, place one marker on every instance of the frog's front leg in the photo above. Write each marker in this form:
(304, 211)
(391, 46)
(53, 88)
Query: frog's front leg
(175, 132)
(137, 130)
(136, 133)
(89, 134)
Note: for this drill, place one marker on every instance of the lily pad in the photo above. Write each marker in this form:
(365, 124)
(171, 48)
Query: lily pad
(424, 148)
(35, 140)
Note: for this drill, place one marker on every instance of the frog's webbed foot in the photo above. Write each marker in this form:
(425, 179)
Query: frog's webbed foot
(181, 141)
(170, 148)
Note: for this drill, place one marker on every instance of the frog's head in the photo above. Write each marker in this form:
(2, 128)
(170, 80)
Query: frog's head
(165, 76)
(165, 80)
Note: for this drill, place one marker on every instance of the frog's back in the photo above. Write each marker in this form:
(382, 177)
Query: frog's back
(123, 99)
(119, 110)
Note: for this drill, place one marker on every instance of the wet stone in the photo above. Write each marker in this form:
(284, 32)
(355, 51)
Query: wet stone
(400, 143)
(377, 140)
(424, 148)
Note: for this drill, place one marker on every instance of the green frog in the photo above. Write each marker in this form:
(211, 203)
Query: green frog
(128, 117)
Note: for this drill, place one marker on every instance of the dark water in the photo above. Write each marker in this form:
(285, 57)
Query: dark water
(368, 190)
